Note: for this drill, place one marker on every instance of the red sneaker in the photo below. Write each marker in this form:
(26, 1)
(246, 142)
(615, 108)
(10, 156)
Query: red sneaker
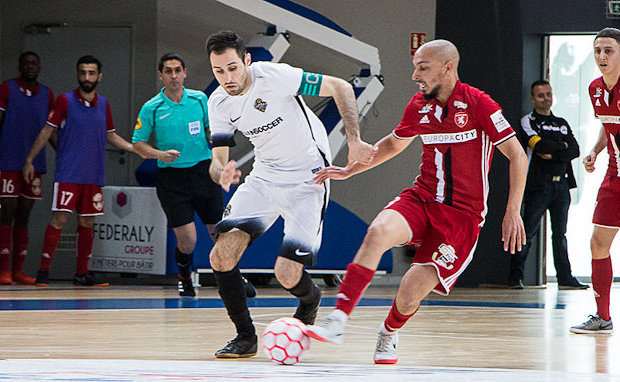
(22, 278)
(5, 278)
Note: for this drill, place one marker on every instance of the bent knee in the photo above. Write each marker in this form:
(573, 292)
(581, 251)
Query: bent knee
(600, 248)
(288, 272)
(383, 234)
(228, 250)
(220, 260)
(377, 231)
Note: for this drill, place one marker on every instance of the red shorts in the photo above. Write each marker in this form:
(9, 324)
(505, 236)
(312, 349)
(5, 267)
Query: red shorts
(447, 235)
(607, 210)
(13, 184)
(86, 199)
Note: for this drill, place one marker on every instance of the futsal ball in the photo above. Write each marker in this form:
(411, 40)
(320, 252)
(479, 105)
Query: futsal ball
(285, 341)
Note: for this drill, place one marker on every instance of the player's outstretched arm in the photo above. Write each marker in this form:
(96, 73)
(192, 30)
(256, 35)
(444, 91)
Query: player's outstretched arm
(601, 143)
(342, 93)
(28, 170)
(387, 148)
(513, 232)
(223, 171)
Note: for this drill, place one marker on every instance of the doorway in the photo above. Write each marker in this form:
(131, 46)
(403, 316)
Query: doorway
(570, 70)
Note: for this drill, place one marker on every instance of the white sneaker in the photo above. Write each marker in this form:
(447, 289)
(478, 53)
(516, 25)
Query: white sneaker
(385, 352)
(330, 328)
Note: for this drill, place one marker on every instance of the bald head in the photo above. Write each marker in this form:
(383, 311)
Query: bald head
(441, 50)
(435, 69)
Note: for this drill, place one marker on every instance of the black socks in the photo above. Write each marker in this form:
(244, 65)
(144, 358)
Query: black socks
(184, 262)
(232, 292)
(305, 290)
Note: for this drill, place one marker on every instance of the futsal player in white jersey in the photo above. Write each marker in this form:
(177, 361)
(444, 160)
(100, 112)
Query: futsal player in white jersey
(262, 101)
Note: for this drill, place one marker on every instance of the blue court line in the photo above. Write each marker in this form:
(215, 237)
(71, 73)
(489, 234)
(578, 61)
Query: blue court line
(202, 303)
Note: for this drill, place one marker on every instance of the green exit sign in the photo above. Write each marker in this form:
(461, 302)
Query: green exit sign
(614, 8)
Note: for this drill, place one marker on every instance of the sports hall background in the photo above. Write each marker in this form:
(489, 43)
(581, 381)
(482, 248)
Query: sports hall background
(501, 46)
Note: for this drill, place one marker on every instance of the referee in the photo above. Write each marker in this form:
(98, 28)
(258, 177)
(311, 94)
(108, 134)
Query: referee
(178, 119)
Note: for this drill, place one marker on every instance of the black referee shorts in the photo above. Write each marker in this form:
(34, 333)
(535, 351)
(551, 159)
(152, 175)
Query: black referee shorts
(181, 191)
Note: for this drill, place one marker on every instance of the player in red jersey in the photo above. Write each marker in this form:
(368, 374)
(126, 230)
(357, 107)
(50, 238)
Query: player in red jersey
(459, 126)
(605, 96)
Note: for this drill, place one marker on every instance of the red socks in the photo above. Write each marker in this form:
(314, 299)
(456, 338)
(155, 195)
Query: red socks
(6, 233)
(84, 249)
(355, 282)
(50, 242)
(395, 320)
(20, 248)
(602, 277)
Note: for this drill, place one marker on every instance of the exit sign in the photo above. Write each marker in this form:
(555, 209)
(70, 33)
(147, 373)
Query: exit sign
(614, 8)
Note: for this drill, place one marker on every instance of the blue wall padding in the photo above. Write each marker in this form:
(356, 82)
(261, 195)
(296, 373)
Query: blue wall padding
(343, 233)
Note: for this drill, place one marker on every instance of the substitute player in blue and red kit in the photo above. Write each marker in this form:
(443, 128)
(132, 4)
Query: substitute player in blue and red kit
(459, 126)
(24, 106)
(605, 96)
(83, 122)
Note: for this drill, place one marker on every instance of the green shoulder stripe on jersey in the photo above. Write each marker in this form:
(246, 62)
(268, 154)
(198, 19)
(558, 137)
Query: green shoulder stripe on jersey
(310, 84)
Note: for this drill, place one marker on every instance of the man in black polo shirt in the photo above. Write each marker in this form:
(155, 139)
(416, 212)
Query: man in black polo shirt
(550, 147)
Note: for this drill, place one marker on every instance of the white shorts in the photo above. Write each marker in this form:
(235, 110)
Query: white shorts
(257, 204)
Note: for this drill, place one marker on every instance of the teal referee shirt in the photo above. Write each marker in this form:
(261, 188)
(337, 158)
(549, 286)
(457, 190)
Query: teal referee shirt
(180, 126)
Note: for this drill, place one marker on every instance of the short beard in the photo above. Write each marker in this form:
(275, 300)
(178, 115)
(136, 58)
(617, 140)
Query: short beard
(235, 92)
(243, 87)
(433, 94)
(88, 88)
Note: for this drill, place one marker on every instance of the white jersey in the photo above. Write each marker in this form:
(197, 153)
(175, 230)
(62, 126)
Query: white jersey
(290, 142)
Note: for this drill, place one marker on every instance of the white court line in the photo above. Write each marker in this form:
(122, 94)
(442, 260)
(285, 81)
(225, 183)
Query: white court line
(33, 370)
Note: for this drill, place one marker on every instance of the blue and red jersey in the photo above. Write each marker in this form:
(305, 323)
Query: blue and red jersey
(25, 111)
(82, 128)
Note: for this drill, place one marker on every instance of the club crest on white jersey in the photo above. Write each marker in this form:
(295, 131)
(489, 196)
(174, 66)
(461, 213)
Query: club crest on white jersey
(260, 105)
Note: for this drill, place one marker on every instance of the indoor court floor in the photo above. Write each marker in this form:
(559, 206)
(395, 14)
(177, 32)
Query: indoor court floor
(146, 333)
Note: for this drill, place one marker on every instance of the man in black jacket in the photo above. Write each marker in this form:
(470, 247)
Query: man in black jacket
(550, 147)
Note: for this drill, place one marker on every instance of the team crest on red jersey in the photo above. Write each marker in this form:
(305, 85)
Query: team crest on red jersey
(461, 119)
(618, 104)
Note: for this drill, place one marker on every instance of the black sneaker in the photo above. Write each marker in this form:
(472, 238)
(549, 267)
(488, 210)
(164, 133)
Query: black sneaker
(516, 284)
(43, 278)
(88, 279)
(250, 291)
(306, 313)
(572, 283)
(186, 287)
(239, 347)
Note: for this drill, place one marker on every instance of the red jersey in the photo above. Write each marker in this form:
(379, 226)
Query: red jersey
(607, 109)
(458, 140)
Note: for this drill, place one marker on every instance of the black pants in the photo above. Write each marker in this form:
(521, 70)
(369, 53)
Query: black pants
(181, 191)
(555, 197)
